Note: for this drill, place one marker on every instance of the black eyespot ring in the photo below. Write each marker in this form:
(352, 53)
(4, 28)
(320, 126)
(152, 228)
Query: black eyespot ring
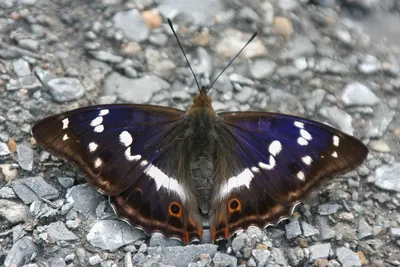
(175, 209)
(233, 204)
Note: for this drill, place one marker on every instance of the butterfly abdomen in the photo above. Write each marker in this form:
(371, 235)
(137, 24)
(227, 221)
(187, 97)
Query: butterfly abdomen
(201, 138)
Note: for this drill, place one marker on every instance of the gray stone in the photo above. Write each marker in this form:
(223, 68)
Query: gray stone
(326, 233)
(197, 12)
(159, 39)
(25, 157)
(112, 234)
(328, 65)
(158, 63)
(308, 229)
(395, 232)
(57, 232)
(358, 94)
(128, 260)
(288, 72)
(133, 90)
(66, 182)
(261, 256)
(299, 47)
(96, 259)
(4, 150)
(364, 229)
(248, 14)
(223, 260)
(106, 56)
(21, 67)
(292, 229)
(369, 65)
(348, 258)
(26, 82)
(237, 78)
(7, 192)
(65, 89)
(239, 242)
(386, 177)
(33, 189)
(54, 261)
(132, 25)
(244, 95)
(13, 212)
(276, 258)
(30, 44)
(84, 198)
(186, 254)
(205, 63)
(320, 251)
(288, 5)
(22, 252)
(262, 68)
(157, 239)
(328, 209)
(339, 118)
(377, 126)
(234, 40)
(345, 37)
(315, 100)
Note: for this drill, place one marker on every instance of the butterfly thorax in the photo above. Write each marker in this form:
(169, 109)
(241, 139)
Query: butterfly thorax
(201, 150)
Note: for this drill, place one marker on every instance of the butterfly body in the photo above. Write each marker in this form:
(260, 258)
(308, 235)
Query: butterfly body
(169, 171)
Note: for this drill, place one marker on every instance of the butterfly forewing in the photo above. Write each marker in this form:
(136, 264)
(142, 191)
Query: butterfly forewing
(280, 159)
(125, 151)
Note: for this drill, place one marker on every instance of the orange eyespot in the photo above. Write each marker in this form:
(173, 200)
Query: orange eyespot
(234, 205)
(175, 209)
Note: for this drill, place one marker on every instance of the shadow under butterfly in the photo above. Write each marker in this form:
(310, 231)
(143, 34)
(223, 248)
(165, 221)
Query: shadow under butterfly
(166, 170)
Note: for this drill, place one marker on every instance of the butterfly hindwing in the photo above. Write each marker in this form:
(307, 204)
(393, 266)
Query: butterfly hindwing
(125, 152)
(280, 159)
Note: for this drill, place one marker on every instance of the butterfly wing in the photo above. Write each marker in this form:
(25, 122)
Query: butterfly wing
(125, 151)
(277, 160)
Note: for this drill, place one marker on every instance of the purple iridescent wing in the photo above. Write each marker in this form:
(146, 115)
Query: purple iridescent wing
(277, 161)
(125, 151)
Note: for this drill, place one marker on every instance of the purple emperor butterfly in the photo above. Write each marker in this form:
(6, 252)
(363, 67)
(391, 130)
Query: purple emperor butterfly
(167, 170)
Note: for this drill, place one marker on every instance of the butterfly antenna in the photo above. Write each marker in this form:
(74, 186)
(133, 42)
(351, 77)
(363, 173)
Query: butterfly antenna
(233, 59)
(183, 51)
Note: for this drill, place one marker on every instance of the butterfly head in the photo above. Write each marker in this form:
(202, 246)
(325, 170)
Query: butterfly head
(202, 102)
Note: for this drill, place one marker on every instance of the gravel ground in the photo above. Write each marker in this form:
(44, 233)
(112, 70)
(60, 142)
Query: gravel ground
(310, 59)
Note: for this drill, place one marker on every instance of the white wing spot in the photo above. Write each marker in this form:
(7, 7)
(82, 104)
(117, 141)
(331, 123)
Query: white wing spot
(93, 146)
(144, 163)
(99, 128)
(301, 175)
(301, 141)
(269, 166)
(129, 156)
(299, 124)
(334, 154)
(65, 123)
(96, 121)
(65, 137)
(104, 112)
(125, 138)
(275, 147)
(335, 140)
(307, 160)
(255, 169)
(242, 179)
(162, 180)
(98, 162)
(306, 135)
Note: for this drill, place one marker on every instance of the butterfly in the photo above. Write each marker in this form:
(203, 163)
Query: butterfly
(172, 171)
